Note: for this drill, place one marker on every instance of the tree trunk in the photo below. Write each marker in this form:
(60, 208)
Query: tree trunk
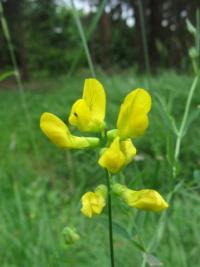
(105, 32)
(15, 18)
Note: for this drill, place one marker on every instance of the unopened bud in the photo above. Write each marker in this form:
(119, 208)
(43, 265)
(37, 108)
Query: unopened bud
(193, 53)
(70, 235)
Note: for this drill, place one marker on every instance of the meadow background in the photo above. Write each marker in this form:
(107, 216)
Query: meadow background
(128, 44)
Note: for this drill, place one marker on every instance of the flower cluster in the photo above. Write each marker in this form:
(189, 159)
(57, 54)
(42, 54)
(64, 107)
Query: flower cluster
(88, 115)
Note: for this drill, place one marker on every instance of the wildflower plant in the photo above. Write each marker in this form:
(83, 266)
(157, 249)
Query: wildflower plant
(116, 147)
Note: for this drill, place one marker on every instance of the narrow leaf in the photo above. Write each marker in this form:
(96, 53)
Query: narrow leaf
(190, 27)
(117, 228)
(6, 74)
(196, 176)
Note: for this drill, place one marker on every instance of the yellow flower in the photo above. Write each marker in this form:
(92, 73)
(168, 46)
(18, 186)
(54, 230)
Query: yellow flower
(57, 131)
(94, 202)
(133, 116)
(146, 199)
(88, 113)
(118, 155)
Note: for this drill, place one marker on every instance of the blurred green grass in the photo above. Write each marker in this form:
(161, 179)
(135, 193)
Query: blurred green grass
(40, 193)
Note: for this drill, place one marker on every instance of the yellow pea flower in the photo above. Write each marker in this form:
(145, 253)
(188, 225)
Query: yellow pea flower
(133, 115)
(94, 202)
(118, 155)
(88, 113)
(145, 199)
(58, 132)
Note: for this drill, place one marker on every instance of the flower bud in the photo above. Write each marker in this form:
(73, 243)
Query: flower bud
(70, 235)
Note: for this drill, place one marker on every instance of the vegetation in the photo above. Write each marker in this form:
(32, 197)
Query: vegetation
(43, 67)
(40, 193)
(114, 34)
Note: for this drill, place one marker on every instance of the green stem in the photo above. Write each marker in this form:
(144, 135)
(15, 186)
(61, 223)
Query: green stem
(18, 78)
(83, 38)
(89, 34)
(144, 41)
(110, 220)
(161, 224)
(185, 117)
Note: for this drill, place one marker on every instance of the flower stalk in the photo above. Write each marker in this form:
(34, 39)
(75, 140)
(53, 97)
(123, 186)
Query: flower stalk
(116, 149)
(108, 178)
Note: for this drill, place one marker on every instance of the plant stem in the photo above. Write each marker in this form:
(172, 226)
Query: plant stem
(190, 94)
(89, 34)
(18, 79)
(110, 220)
(144, 41)
(184, 119)
(161, 224)
(83, 38)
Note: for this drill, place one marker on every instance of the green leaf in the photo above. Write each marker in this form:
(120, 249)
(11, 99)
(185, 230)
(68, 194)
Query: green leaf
(139, 245)
(196, 176)
(133, 231)
(187, 195)
(153, 261)
(6, 74)
(194, 115)
(164, 112)
(122, 232)
(190, 27)
(89, 34)
(170, 148)
(117, 228)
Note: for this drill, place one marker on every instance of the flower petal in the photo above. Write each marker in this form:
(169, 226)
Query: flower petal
(57, 131)
(80, 115)
(112, 159)
(99, 204)
(94, 96)
(132, 120)
(86, 205)
(128, 150)
(88, 113)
